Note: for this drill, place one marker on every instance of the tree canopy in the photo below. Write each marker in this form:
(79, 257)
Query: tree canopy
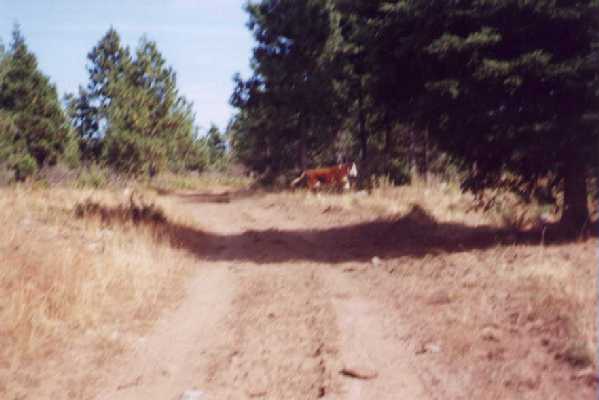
(33, 127)
(131, 115)
(505, 88)
(287, 108)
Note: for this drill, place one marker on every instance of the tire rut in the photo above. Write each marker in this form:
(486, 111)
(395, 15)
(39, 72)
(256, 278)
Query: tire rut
(371, 343)
(282, 338)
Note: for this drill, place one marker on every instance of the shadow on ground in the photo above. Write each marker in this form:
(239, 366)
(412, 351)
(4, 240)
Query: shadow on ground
(406, 236)
(415, 234)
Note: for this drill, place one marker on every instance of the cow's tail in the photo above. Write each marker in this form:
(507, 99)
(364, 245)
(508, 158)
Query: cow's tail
(298, 180)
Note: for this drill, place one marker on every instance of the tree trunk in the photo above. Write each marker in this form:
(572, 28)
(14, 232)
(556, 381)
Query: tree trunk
(302, 146)
(412, 158)
(362, 124)
(388, 150)
(302, 158)
(575, 214)
(426, 167)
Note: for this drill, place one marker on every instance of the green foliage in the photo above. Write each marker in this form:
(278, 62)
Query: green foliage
(502, 86)
(506, 91)
(287, 109)
(215, 149)
(23, 165)
(131, 116)
(72, 152)
(33, 128)
(8, 134)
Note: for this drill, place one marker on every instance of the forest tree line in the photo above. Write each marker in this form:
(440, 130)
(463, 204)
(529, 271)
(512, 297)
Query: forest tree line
(504, 91)
(129, 117)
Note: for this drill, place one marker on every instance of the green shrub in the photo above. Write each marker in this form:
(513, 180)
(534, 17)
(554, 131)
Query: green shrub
(24, 166)
(72, 154)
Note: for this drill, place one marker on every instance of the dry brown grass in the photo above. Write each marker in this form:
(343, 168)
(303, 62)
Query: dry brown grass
(443, 201)
(62, 277)
(168, 182)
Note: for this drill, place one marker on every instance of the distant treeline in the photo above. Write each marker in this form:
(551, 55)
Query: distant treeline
(504, 91)
(129, 117)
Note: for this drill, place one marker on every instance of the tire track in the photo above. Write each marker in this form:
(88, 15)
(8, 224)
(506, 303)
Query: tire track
(283, 338)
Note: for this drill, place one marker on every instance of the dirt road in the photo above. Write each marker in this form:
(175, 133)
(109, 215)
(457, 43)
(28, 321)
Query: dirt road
(266, 318)
(292, 300)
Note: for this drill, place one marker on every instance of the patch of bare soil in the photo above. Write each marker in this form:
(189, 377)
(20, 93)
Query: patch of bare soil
(281, 341)
(296, 301)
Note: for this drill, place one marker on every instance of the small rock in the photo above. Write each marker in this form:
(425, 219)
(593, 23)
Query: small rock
(192, 394)
(432, 348)
(491, 334)
(376, 261)
(429, 348)
(359, 372)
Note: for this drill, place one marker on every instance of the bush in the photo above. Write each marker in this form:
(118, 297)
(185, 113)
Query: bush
(24, 166)
(72, 154)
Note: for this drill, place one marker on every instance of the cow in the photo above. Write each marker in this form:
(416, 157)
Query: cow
(337, 176)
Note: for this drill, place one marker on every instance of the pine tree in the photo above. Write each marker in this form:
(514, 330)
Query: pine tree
(131, 115)
(216, 147)
(151, 125)
(108, 62)
(33, 121)
(287, 108)
(503, 86)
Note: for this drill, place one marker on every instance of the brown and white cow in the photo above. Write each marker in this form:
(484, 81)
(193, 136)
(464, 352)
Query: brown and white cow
(337, 176)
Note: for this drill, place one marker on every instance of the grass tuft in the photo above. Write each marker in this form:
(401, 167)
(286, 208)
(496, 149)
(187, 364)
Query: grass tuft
(64, 279)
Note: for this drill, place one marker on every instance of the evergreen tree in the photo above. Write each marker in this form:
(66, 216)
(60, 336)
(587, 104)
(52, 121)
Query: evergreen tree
(33, 122)
(287, 108)
(216, 145)
(7, 129)
(108, 63)
(131, 115)
(503, 86)
(150, 124)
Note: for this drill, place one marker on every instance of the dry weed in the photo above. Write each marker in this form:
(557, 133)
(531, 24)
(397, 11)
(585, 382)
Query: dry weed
(168, 182)
(62, 277)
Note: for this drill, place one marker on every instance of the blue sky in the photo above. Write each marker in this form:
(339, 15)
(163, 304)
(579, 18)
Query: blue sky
(205, 41)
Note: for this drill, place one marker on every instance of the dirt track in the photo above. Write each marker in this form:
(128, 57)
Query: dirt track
(254, 328)
(286, 303)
